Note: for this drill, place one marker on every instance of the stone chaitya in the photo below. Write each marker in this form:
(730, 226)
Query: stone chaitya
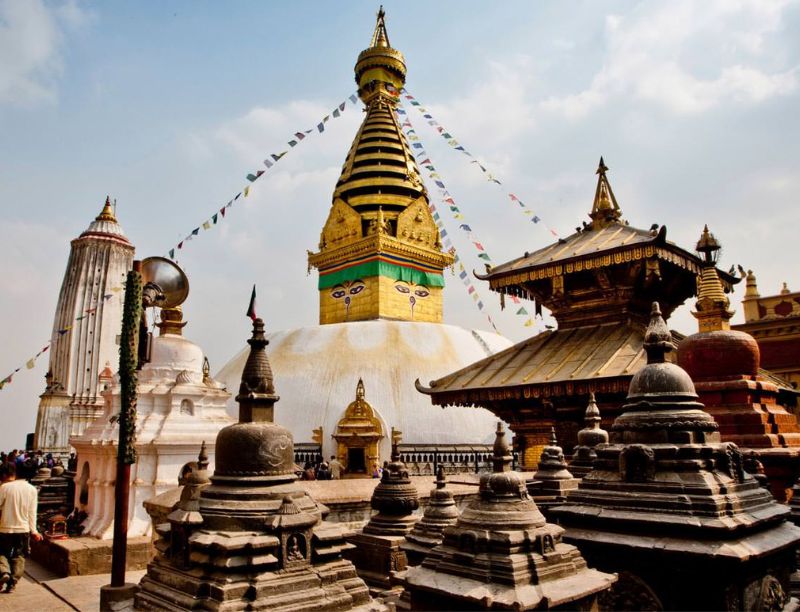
(440, 512)
(502, 554)
(671, 508)
(588, 439)
(378, 551)
(249, 537)
(553, 478)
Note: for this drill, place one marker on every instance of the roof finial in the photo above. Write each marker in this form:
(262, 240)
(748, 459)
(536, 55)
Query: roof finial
(605, 209)
(202, 457)
(257, 395)
(380, 38)
(107, 214)
(713, 313)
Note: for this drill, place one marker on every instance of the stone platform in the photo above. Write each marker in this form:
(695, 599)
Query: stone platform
(84, 556)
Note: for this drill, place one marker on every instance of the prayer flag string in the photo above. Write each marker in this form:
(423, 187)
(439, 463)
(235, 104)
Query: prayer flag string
(57, 335)
(457, 146)
(252, 177)
(447, 200)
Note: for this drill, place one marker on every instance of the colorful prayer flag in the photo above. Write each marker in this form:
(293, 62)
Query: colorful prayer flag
(172, 253)
(214, 218)
(30, 363)
(522, 311)
(207, 225)
(353, 98)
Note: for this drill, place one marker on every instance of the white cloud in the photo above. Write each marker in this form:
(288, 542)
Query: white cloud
(31, 39)
(657, 54)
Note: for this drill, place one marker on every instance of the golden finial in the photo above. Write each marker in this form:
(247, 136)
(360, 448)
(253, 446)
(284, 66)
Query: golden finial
(605, 209)
(380, 38)
(713, 312)
(107, 214)
(171, 321)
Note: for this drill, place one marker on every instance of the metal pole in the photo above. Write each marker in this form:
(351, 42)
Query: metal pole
(126, 451)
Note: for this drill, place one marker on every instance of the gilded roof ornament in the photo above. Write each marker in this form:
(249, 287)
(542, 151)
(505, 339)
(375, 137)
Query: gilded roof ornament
(107, 214)
(380, 38)
(713, 306)
(605, 209)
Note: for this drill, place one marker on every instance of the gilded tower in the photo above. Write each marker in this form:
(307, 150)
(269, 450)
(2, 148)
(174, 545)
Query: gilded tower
(380, 255)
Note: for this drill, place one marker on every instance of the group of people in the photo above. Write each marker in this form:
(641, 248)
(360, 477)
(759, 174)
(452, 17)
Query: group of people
(323, 470)
(28, 462)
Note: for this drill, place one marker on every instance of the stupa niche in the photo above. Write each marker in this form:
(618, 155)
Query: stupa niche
(668, 504)
(501, 554)
(249, 537)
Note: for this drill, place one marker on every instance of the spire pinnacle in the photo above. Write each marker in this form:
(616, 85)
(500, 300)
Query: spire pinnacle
(107, 214)
(605, 209)
(713, 313)
(257, 392)
(380, 38)
(657, 337)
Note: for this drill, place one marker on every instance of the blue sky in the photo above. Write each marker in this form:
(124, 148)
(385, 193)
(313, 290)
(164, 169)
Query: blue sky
(168, 105)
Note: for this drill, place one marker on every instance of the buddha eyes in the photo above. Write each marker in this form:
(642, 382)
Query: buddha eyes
(356, 289)
(338, 292)
(402, 289)
(422, 292)
(419, 291)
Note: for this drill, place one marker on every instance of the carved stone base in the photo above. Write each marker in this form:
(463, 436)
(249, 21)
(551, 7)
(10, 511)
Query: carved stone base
(376, 558)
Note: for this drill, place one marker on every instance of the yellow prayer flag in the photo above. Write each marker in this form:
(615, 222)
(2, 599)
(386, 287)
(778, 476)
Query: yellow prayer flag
(247, 191)
(529, 322)
(30, 363)
(206, 225)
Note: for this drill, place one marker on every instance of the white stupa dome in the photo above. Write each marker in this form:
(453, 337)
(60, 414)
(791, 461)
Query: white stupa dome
(316, 370)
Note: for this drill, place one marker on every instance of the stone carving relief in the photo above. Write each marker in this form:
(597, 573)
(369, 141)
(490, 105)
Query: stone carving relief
(277, 450)
(296, 548)
(629, 593)
(637, 463)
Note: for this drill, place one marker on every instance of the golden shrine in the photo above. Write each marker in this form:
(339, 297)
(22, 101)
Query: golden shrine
(380, 254)
(358, 435)
(599, 283)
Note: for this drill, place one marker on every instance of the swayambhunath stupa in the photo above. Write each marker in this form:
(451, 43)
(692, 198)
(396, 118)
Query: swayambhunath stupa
(577, 420)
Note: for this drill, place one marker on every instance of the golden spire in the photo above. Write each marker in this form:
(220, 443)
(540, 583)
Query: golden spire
(380, 38)
(107, 214)
(713, 312)
(605, 209)
(380, 252)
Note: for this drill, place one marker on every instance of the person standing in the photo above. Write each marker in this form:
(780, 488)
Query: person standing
(18, 501)
(336, 468)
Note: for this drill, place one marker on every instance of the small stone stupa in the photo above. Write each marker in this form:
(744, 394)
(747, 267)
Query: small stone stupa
(503, 555)
(588, 439)
(440, 512)
(671, 508)
(553, 477)
(724, 365)
(249, 537)
(378, 551)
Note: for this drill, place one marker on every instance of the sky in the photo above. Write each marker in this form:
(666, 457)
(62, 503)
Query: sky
(166, 106)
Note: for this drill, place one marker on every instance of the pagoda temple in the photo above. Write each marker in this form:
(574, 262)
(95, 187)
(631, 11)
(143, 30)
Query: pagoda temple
(598, 283)
(724, 365)
(670, 507)
(380, 262)
(87, 322)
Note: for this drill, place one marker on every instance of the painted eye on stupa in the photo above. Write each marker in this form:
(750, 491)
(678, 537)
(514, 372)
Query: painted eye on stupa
(402, 289)
(338, 292)
(422, 292)
(356, 289)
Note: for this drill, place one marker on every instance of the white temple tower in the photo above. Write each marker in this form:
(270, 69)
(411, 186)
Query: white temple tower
(85, 332)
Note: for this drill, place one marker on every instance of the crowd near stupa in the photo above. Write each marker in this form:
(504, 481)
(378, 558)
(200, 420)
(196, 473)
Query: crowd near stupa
(381, 459)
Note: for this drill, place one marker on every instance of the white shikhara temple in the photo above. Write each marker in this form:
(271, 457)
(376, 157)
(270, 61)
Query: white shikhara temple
(84, 353)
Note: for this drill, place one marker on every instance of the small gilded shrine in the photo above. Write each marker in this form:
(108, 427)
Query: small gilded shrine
(358, 435)
(249, 537)
(380, 255)
(598, 283)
